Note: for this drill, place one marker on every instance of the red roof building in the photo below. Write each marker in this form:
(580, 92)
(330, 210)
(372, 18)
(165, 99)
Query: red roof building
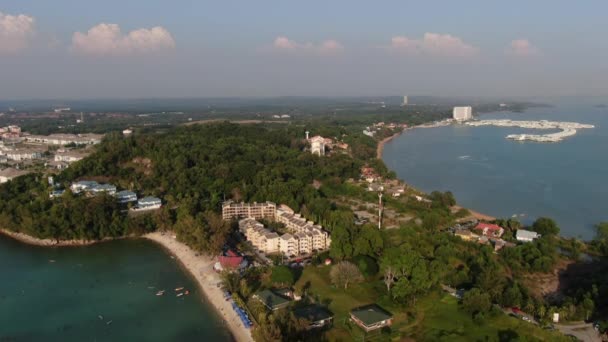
(230, 260)
(491, 230)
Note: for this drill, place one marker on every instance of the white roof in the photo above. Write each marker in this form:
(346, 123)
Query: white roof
(526, 234)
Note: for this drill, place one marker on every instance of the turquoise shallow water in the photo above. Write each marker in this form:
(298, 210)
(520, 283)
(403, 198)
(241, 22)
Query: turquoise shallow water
(42, 300)
(567, 181)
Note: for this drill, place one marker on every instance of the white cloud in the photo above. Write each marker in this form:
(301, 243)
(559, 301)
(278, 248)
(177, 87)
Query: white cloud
(15, 32)
(329, 46)
(434, 44)
(522, 48)
(107, 39)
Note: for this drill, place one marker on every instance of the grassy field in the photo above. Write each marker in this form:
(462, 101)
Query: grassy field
(435, 317)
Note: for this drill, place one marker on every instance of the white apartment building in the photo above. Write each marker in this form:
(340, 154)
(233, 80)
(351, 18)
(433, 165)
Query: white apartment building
(231, 210)
(462, 113)
(304, 236)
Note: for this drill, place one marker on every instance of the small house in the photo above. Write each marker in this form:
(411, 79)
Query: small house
(371, 317)
(466, 235)
(316, 315)
(526, 235)
(272, 300)
(490, 230)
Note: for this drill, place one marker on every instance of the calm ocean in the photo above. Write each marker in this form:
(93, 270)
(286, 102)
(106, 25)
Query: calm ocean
(566, 181)
(104, 292)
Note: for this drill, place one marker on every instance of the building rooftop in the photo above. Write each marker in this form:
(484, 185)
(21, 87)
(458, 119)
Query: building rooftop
(149, 199)
(313, 313)
(125, 193)
(272, 300)
(526, 234)
(371, 314)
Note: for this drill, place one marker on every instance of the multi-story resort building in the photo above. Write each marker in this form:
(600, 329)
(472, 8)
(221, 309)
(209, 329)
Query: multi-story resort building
(303, 237)
(462, 113)
(233, 210)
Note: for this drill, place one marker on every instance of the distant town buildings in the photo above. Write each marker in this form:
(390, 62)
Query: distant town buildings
(69, 156)
(65, 139)
(462, 113)
(9, 174)
(62, 110)
(127, 131)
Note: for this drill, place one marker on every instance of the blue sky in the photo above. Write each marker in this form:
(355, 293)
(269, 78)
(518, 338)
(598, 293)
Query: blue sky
(136, 48)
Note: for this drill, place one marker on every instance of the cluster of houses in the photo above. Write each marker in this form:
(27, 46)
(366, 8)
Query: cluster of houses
(93, 188)
(319, 145)
(368, 317)
(488, 233)
(371, 131)
(303, 237)
(17, 147)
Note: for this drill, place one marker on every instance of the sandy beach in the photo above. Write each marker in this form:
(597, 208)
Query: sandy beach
(474, 214)
(380, 147)
(201, 267)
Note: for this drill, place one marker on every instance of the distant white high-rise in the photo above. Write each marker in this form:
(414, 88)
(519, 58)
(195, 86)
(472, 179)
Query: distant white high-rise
(463, 113)
(404, 103)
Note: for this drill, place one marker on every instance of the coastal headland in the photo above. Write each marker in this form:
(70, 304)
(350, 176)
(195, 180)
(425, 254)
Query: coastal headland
(30, 240)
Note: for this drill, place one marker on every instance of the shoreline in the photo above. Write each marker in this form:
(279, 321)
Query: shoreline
(381, 143)
(201, 268)
(30, 240)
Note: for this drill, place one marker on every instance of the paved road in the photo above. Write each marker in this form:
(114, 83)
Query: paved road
(582, 331)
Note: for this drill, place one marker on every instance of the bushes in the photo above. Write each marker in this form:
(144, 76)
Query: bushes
(367, 265)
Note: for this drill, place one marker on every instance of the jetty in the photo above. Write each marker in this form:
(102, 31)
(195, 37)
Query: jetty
(567, 129)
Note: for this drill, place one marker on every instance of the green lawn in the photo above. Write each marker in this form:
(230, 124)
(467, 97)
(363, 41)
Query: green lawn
(436, 318)
(443, 321)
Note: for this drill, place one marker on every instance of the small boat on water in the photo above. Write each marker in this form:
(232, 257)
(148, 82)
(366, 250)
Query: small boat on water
(160, 293)
(179, 294)
(109, 322)
(100, 317)
(179, 289)
(187, 292)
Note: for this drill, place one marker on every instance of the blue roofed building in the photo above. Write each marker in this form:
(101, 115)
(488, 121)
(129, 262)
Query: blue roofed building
(126, 196)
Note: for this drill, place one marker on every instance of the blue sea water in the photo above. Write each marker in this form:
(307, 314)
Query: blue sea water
(567, 181)
(104, 292)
